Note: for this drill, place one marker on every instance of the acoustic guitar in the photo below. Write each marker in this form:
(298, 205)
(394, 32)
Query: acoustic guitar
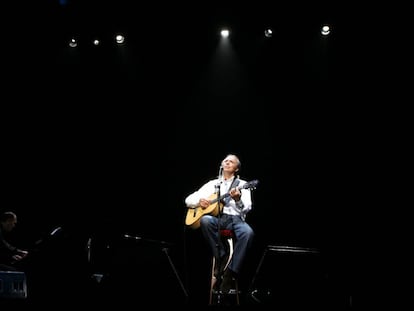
(194, 214)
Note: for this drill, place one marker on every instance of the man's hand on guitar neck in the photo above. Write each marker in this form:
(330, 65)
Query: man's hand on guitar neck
(235, 194)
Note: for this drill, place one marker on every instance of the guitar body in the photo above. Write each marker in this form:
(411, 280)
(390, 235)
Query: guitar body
(194, 215)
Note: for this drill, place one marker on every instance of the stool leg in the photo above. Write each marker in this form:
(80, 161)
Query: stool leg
(216, 297)
(231, 246)
(237, 293)
(230, 242)
(213, 281)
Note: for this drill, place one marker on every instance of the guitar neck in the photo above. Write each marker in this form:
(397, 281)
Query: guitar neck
(248, 185)
(219, 198)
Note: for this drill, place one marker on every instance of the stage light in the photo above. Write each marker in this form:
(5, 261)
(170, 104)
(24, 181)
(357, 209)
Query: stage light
(119, 39)
(73, 43)
(225, 33)
(326, 30)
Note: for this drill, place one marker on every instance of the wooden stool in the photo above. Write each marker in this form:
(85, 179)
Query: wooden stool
(216, 296)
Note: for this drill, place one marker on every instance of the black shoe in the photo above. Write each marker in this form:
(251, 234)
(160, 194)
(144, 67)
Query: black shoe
(229, 281)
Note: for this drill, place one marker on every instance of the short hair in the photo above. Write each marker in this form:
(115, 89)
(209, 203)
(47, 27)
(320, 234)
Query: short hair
(238, 159)
(6, 216)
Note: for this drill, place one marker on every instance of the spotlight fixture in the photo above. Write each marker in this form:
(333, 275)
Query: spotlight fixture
(119, 39)
(73, 43)
(268, 33)
(326, 30)
(225, 33)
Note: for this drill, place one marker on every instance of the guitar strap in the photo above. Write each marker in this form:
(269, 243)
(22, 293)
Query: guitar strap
(234, 184)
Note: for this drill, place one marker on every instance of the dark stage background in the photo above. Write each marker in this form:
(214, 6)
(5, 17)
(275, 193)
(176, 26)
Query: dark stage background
(107, 141)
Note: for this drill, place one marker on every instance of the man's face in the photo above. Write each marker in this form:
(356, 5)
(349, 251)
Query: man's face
(8, 225)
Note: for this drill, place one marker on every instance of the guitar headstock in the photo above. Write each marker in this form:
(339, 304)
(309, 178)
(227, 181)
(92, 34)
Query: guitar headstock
(251, 184)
